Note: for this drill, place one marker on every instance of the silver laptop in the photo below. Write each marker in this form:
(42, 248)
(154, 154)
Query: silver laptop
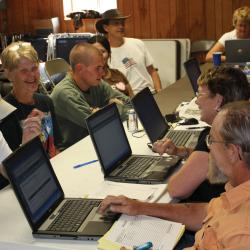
(115, 155)
(155, 124)
(237, 51)
(41, 197)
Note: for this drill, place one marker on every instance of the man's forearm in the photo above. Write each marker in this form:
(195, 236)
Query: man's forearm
(190, 214)
(156, 80)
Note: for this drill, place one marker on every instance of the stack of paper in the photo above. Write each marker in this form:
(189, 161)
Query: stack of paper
(130, 231)
(134, 191)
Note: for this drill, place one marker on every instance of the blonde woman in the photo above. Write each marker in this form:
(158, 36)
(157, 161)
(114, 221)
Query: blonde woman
(21, 65)
(241, 24)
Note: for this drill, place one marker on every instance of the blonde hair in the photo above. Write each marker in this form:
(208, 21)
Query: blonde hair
(13, 53)
(241, 14)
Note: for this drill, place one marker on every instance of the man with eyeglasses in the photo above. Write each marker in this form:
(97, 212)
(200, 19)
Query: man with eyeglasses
(217, 87)
(224, 222)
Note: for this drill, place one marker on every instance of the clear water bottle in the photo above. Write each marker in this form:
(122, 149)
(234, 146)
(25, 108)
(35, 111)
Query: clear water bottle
(132, 121)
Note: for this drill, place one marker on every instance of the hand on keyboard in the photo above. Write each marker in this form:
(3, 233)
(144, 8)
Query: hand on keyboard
(165, 146)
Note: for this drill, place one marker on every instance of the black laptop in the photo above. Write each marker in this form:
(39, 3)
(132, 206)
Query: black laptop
(115, 155)
(41, 197)
(237, 51)
(193, 72)
(155, 124)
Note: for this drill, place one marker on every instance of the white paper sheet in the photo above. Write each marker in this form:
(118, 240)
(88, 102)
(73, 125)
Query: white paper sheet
(134, 191)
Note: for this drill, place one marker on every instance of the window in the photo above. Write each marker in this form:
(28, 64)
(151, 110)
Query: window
(79, 5)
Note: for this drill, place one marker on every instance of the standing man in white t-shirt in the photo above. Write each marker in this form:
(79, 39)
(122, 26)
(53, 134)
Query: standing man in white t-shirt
(129, 55)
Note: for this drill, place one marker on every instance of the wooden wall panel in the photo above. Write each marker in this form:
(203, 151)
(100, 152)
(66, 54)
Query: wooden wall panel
(15, 17)
(209, 14)
(194, 19)
(162, 19)
(195, 26)
(127, 9)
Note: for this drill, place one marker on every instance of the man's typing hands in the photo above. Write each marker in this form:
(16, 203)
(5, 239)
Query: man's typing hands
(165, 146)
(120, 204)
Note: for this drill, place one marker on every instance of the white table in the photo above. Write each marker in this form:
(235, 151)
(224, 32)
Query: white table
(15, 232)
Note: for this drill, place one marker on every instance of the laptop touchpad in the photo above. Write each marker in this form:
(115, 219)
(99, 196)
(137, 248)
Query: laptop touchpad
(95, 228)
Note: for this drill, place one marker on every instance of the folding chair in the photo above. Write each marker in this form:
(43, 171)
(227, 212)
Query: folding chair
(56, 70)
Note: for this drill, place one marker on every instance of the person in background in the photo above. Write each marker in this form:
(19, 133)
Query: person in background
(129, 55)
(20, 63)
(83, 92)
(217, 86)
(223, 223)
(112, 76)
(241, 24)
(31, 129)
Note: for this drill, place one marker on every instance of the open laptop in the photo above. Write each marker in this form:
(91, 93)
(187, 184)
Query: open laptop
(41, 197)
(193, 72)
(115, 155)
(237, 51)
(155, 124)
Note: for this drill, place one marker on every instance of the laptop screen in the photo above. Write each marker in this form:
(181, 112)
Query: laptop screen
(193, 72)
(150, 115)
(33, 180)
(109, 138)
(237, 51)
(65, 44)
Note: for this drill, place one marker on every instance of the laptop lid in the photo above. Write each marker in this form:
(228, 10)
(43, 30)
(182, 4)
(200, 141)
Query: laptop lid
(237, 51)
(34, 182)
(150, 115)
(41, 196)
(193, 72)
(112, 148)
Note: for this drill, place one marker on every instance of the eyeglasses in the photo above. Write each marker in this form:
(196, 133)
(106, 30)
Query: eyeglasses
(209, 141)
(199, 94)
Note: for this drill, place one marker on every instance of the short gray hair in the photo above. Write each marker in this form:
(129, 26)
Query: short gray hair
(235, 127)
(13, 53)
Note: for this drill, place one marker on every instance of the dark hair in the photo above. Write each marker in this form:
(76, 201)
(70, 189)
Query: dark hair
(102, 40)
(229, 82)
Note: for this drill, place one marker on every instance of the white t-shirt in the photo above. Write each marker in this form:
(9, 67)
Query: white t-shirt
(4, 148)
(228, 36)
(131, 59)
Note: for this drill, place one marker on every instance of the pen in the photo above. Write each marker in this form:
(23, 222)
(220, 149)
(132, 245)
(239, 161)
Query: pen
(84, 164)
(145, 246)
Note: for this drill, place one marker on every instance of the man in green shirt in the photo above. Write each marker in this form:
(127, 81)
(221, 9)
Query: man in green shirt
(83, 92)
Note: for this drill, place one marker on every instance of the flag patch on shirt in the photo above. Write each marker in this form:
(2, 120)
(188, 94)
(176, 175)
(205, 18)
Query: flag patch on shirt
(128, 62)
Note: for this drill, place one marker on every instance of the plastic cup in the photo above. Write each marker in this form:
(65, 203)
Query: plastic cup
(217, 58)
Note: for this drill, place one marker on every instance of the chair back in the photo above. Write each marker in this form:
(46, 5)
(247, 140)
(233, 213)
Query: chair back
(200, 48)
(56, 69)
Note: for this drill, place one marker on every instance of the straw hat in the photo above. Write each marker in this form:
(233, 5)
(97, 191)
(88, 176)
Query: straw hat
(112, 14)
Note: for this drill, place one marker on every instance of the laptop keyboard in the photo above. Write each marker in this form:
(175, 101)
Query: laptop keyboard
(180, 137)
(72, 214)
(137, 166)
